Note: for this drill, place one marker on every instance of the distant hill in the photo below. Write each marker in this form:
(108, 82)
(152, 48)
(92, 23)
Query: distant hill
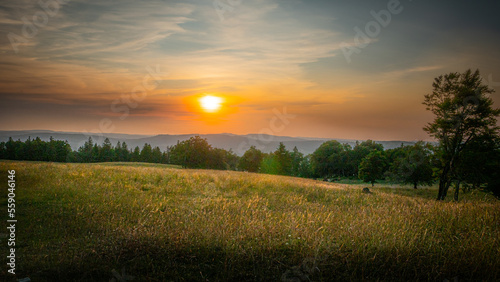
(238, 143)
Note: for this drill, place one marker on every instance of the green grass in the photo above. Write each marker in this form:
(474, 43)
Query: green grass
(79, 222)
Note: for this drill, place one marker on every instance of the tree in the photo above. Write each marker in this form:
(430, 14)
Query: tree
(479, 165)
(156, 155)
(3, 151)
(146, 154)
(270, 164)
(361, 150)
(10, 149)
(125, 153)
(463, 114)
(413, 165)
(36, 150)
(85, 151)
(167, 155)
(393, 154)
(335, 159)
(373, 167)
(192, 153)
(231, 160)
(217, 159)
(283, 159)
(106, 152)
(135, 156)
(118, 152)
(325, 159)
(251, 160)
(493, 171)
(297, 159)
(60, 151)
(94, 157)
(305, 169)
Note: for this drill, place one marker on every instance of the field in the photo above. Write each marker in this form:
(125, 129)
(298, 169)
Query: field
(97, 222)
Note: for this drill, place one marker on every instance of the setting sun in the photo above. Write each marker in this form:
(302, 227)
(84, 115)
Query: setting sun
(211, 103)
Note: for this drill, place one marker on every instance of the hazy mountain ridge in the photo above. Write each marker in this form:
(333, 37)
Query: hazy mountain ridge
(238, 143)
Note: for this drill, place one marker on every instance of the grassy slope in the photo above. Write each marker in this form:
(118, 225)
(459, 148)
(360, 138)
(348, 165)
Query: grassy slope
(81, 221)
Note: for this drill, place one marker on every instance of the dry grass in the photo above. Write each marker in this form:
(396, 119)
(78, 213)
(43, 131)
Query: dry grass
(81, 221)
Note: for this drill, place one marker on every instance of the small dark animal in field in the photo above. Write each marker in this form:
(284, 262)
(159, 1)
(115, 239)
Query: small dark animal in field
(366, 190)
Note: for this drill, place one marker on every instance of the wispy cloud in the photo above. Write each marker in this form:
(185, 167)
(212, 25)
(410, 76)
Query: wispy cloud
(263, 54)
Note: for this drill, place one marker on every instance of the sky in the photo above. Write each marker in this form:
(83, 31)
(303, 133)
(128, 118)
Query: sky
(310, 68)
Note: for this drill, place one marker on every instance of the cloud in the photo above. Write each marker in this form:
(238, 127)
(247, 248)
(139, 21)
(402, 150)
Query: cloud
(263, 54)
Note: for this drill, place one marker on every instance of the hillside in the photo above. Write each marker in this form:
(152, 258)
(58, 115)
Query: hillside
(238, 143)
(95, 222)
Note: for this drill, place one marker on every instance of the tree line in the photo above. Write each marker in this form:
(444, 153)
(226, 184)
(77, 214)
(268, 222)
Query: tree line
(331, 160)
(90, 152)
(418, 164)
(35, 150)
(465, 126)
(368, 161)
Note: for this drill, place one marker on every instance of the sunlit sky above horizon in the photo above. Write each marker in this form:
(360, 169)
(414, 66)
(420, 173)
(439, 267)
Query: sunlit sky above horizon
(80, 70)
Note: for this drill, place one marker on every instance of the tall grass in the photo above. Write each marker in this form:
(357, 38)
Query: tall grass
(79, 222)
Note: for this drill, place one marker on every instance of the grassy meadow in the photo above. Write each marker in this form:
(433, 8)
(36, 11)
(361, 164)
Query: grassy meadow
(97, 222)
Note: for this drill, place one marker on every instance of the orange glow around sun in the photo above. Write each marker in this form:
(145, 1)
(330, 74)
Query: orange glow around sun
(210, 103)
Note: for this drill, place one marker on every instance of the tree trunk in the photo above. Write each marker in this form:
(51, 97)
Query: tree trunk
(446, 187)
(457, 189)
(415, 185)
(441, 194)
(444, 183)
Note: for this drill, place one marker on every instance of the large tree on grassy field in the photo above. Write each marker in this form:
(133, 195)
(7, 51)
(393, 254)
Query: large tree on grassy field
(373, 167)
(464, 115)
(413, 164)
